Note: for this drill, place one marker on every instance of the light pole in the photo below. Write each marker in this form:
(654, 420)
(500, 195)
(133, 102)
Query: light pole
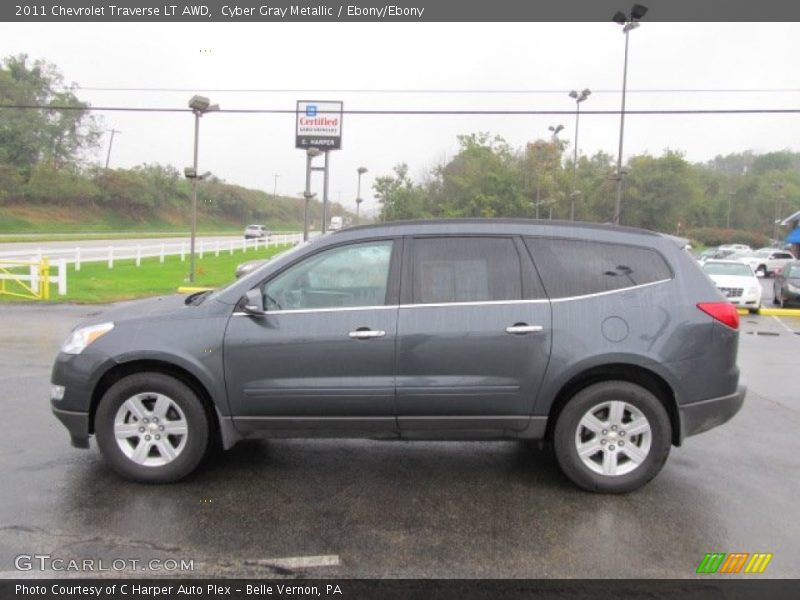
(275, 187)
(731, 194)
(200, 106)
(777, 186)
(578, 97)
(359, 199)
(628, 24)
(111, 143)
(311, 153)
(555, 130)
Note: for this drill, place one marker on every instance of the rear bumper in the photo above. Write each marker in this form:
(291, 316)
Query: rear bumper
(707, 414)
(77, 423)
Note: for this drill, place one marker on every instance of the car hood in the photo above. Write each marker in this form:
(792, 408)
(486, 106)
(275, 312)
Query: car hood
(172, 306)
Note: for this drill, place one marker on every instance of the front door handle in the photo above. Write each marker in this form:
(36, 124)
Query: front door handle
(366, 334)
(521, 328)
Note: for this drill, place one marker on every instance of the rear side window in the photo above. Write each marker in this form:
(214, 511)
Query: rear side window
(577, 268)
(465, 269)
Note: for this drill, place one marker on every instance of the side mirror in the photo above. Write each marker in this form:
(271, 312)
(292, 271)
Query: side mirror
(253, 303)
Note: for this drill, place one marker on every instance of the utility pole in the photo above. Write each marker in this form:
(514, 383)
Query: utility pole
(111, 143)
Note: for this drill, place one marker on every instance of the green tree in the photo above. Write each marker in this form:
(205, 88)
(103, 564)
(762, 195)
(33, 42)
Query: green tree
(51, 134)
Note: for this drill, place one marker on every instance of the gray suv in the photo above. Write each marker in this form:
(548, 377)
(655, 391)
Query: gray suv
(609, 342)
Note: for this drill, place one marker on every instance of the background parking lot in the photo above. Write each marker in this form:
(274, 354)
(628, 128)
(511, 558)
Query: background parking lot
(403, 509)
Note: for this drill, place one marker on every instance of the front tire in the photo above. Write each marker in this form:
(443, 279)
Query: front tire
(151, 428)
(612, 437)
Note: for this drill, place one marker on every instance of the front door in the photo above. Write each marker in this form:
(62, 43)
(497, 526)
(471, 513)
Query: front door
(323, 355)
(473, 335)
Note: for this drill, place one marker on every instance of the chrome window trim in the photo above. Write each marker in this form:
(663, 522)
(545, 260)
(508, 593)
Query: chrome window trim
(625, 289)
(318, 310)
(475, 303)
(446, 304)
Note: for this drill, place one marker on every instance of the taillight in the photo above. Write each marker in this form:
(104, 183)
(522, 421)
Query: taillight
(723, 312)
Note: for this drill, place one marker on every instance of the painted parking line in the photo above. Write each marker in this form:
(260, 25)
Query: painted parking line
(785, 326)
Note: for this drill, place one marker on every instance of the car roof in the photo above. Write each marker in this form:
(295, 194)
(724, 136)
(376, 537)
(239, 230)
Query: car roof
(472, 225)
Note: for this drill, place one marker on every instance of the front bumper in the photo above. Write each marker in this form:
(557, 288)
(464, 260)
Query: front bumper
(77, 423)
(707, 414)
(78, 374)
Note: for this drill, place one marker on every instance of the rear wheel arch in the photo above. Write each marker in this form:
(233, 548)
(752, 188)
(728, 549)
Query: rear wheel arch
(630, 373)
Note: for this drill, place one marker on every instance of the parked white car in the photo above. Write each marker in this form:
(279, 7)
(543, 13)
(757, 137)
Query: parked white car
(737, 282)
(767, 261)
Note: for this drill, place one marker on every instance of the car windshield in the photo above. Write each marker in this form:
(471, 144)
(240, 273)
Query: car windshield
(720, 268)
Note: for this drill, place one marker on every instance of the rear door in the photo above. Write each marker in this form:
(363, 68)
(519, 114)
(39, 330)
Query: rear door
(473, 334)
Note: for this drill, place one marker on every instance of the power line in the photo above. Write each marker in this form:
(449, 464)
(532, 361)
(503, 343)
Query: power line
(429, 90)
(715, 111)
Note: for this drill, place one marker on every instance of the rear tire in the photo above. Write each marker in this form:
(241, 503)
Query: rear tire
(151, 428)
(612, 437)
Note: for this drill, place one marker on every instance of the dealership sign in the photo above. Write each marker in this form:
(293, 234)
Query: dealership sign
(319, 124)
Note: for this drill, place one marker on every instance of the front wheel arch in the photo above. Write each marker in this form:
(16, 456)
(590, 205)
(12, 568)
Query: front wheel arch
(121, 370)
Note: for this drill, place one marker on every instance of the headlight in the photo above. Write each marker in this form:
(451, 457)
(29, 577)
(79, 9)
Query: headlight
(753, 291)
(79, 339)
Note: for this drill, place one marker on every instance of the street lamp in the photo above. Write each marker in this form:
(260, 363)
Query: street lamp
(359, 199)
(311, 153)
(200, 105)
(555, 129)
(628, 24)
(578, 97)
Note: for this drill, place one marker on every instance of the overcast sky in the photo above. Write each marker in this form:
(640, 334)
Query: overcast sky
(250, 149)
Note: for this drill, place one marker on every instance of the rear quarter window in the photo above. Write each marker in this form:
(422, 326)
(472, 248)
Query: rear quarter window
(577, 267)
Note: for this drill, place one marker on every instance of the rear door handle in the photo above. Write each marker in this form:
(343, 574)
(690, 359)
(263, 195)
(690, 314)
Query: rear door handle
(521, 328)
(366, 334)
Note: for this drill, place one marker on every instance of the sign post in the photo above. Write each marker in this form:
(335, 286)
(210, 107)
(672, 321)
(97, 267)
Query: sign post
(318, 125)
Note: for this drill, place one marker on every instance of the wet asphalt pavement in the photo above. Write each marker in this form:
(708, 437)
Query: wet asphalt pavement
(402, 509)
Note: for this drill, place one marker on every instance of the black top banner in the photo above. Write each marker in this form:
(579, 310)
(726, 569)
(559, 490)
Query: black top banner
(392, 10)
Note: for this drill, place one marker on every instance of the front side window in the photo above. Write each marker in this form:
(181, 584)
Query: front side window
(577, 268)
(465, 269)
(344, 277)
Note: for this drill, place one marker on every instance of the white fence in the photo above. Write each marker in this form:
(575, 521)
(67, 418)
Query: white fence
(35, 283)
(110, 254)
